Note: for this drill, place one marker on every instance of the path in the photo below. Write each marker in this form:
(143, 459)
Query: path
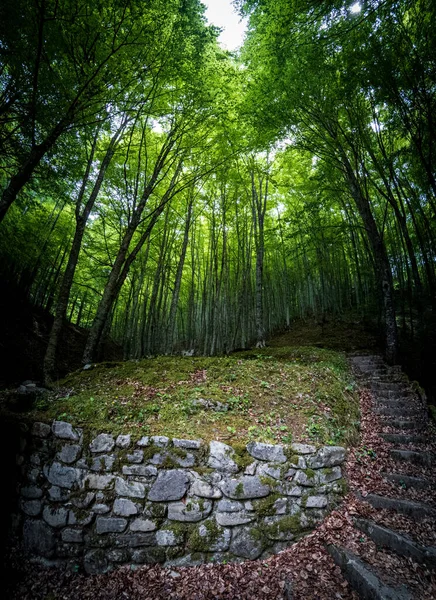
(400, 511)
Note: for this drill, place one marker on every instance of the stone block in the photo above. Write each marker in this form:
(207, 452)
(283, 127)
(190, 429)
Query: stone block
(266, 452)
(69, 453)
(124, 507)
(131, 489)
(102, 443)
(328, 456)
(245, 487)
(55, 517)
(220, 458)
(190, 512)
(169, 485)
(187, 444)
(246, 545)
(65, 431)
(62, 476)
(110, 525)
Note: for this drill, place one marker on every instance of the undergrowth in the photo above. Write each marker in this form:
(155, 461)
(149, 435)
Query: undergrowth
(277, 394)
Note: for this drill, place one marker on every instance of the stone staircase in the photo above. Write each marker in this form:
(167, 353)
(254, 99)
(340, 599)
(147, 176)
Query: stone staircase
(403, 424)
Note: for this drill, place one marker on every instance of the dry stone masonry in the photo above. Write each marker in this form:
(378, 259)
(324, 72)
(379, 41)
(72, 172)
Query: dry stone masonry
(105, 501)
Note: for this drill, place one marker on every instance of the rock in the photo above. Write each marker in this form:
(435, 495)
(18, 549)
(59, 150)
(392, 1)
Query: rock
(182, 461)
(123, 441)
(95, 562)
(104, 462)
(330, 475)
(303, 448)
(144, 441)
(72, 536)
(251, 469)
(31, 491)
(62, 476)
(267, 452)
(58, 494)
(102, 443)
(160, 440)
(142, 525)
(288, 488)
(87, 367)
(166, 537)
(149, 556)
(136, 456)
(69, 453)
(169, 485)
(83, 500)
(328, 456)
(110, 525)
(39, 538)
(124, 507)
(220, 458)
(225, 505)
(34, 474)
(140, 470)
(187, 444)
(205, 490)
(132, 489)
(32, 508)
(190, 512)
(41, 430)
(231, 519)
(269, 471)
(214, 539)
(316, 502)
(300, 464)
(281, 506)
(100, 509)
(306, 479)
(55, 517)
(245, 487)
(65, 431)
(245, 545)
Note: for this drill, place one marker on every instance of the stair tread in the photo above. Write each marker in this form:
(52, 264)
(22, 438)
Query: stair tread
(363, 579)
(408, 480)
(400, 543)
(407, 507)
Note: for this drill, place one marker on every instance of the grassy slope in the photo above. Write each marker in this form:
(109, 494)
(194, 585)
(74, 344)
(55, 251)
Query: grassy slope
(278, 394)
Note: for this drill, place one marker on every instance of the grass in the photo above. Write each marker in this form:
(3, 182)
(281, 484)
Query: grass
(277, 395)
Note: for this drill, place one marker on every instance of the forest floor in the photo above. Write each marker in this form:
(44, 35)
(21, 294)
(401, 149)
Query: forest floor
(297, 389)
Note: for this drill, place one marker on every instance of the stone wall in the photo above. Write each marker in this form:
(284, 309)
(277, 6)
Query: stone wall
(100, 502)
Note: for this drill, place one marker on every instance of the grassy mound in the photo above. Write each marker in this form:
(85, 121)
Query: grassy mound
(280, 394)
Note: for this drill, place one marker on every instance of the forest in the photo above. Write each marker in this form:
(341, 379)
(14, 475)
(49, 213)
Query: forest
(232, 246)
(175, 197)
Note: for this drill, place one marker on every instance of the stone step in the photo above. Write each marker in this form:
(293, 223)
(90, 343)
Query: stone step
(404, 424)
(396, 411)
(395, 403)
(401, 544)
(390, 395)
(389, 386)
(386, 377)
(406, 481)
(363, 579)
(403, 438)
(425, 459)
(418, 510)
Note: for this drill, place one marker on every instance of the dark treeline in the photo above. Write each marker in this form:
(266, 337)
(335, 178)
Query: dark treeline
(179, 198)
